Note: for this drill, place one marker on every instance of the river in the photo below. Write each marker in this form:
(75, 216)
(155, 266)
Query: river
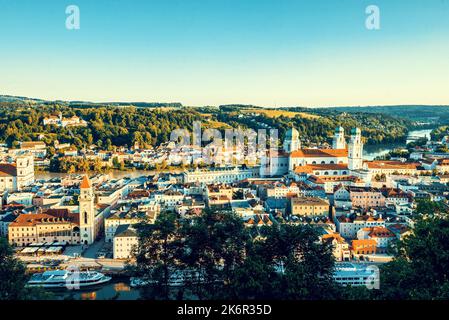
(370, 152)
(117, 289)
(114, 174)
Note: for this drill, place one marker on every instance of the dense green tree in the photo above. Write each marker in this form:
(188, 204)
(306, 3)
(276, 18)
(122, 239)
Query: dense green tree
(107, 125)
(254, 279)
(156, 256)
(427, 207)
(306, 263)
(152, 126)
(216, 257)
(13, 277)
(376, 128)
(214, 244)
(420, 267)
(12, 274)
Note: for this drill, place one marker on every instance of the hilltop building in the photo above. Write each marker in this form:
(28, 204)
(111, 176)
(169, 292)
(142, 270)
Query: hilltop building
(59, 121)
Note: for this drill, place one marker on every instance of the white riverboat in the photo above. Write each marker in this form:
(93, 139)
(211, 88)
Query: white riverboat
(67, 279)
(174, 281)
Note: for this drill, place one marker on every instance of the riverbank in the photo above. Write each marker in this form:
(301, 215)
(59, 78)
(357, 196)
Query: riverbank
(114, 174)
(370, 152)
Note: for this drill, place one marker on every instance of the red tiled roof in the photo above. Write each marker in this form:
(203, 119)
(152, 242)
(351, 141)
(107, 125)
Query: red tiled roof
(85, 184)
(332, 236)
(393, 193)
(49, 216)
(443, 162)
(391, 165)
(323, 179)
(7, 170)
(32, 144)
(381, 232)
(312, 167)
(360, 244)
(319, 153)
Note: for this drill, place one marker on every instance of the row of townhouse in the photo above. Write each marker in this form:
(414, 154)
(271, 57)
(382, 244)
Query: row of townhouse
(349, 226)
(369, 241)
(369, 197)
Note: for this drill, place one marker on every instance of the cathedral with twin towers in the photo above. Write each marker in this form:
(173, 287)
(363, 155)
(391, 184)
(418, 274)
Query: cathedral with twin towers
(343, 159)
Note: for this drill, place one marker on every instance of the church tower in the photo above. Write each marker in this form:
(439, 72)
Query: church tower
(87, 212)
(291, 141)
(25, 170)
(339, 139)
(355, 150)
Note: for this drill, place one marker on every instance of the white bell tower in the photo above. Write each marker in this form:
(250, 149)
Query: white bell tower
(25, 170)
(87, 212)
(355, 150)
(292, 141)
(339, 139)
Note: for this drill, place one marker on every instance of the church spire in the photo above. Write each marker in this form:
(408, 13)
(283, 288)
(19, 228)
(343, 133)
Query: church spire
(87, 212)
(338, 141)
(85, 184)
(292, 141)
(355, 157)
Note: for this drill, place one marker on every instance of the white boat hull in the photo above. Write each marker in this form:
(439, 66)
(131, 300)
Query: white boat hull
(70, 285)
(68, 280)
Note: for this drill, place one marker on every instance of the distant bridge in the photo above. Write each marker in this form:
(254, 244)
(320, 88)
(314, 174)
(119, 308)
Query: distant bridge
(415, 137)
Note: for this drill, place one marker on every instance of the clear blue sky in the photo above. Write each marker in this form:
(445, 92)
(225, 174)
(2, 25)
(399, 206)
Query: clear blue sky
(210, 52)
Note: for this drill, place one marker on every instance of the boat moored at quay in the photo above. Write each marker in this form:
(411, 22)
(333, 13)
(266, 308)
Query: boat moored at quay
(67, 279)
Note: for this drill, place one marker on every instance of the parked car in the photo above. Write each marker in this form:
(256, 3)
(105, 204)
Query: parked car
(101, 255)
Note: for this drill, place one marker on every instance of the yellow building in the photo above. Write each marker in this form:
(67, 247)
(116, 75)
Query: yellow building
(309, 206)
(54, 225)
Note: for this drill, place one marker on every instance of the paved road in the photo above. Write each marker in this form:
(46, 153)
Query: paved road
(91, 252)
(105, 264)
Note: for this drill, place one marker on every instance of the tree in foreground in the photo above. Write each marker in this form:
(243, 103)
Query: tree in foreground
(13, 277)
(12, 274)
(214, 245)
(156, 255)
(307, 265)
(215, 257)
(420, 269)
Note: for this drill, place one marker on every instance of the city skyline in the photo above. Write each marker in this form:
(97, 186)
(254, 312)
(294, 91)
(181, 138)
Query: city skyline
(298, 53)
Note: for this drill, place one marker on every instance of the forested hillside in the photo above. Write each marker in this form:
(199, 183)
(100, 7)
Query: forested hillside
(107, 126)
(314, 127)
(150, 124)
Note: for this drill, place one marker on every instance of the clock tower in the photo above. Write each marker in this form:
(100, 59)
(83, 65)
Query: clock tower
(86, 212)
